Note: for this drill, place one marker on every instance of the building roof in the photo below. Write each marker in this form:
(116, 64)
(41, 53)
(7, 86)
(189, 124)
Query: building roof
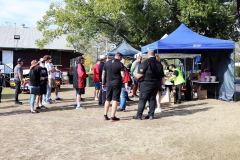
(28, 36)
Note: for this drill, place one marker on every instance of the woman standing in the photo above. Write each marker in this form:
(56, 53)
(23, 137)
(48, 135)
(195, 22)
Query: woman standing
(34, 76)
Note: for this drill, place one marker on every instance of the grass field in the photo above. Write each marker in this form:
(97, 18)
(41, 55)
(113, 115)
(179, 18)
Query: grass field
(200, 129)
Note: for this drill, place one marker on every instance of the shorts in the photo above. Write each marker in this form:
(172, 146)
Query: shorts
(113, 93)
(97, 85)
(135, 82)
(80, 90)
(52, 83)
(43, 89)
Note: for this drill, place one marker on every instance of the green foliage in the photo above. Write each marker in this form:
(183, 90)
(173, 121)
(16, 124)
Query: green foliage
(88, 62)
(237, 71)
(139, 22)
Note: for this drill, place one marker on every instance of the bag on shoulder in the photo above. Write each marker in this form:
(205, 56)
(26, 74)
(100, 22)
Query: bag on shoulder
(35, 90)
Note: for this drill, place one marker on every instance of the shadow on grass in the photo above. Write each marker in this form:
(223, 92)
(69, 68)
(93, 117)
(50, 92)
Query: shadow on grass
(58, 108)
(179, 110)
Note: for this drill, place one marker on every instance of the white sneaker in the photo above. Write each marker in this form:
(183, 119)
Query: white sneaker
(158, 110)
(80, 107)
(96, 99)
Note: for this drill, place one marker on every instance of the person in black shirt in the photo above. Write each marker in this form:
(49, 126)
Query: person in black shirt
(43, 83)
(34, 83)
(113, 72)
(151, 75)
(102, 94)
(2, 84)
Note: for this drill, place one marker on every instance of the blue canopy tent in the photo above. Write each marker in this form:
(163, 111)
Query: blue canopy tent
(125, 49)
(215, 54)
(198, 59)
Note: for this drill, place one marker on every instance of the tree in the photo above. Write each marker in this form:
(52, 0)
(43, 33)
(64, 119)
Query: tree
(88, 63)
(139, 22)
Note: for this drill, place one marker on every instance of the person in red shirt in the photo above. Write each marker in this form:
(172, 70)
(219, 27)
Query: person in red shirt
(125, 89)
(96, 79)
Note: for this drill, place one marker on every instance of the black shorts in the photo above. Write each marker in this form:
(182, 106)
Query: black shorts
(43, 89)
(113, 93)
(80, 90)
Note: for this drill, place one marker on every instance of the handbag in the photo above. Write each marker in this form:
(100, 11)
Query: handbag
(35, 90)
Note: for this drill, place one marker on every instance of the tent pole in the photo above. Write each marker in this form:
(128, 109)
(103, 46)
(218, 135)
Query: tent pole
(193, 66)
(185, 68)
(234, 77)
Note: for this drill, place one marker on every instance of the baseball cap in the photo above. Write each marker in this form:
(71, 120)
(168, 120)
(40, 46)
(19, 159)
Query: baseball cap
(41, 60)
(20, 60)
(102, 57)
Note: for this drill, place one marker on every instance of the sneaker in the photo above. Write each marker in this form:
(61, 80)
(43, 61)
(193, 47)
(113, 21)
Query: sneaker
(96, 99)
(58, 99)
(114, 119)
(149, 117)
(138, 118)
(120, 110)
(80, 107)
(49, 102)
(34, 112)
(43, 107)
(50, 99)
(38, 107)
(158, 110)
(17, 102)
(129, 100)
(105, 117)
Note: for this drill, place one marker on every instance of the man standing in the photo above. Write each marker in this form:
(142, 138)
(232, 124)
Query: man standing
(134, 70)
(112, 75)
(102, 94)
(96, 79)
(2, 84)
(18, 79)
(151, 74)
(43, 83)
(51, 77)
(79, 81)
(178, 81)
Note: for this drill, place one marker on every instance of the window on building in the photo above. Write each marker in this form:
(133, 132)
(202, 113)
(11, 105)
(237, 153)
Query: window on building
(56, 57)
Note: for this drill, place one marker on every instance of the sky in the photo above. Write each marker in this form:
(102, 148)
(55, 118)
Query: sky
(26, 12)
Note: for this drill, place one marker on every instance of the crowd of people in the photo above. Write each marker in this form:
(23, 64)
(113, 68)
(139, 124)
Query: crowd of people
(112, 79)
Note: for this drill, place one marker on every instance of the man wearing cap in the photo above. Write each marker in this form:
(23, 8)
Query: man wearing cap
(102, 94)
(43, 83)
(2, 84)
(51, 76)
(18, 79)
(96, 79)
(79, 80)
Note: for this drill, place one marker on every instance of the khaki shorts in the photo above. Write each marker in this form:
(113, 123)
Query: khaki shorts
(52, 83)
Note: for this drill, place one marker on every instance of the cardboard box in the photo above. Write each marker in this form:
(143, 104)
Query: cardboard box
(192, 76)
(202, 94)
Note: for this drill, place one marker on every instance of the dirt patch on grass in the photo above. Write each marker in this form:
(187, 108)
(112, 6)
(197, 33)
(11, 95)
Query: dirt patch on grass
(202, 129)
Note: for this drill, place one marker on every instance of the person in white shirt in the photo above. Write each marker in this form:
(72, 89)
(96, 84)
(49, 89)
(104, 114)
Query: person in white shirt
(51, 76)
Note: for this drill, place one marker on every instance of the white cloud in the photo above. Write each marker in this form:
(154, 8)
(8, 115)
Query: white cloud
(27, 12)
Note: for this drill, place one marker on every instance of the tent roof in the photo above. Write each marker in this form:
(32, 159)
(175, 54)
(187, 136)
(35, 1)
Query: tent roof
(125, 49)
(184, 40)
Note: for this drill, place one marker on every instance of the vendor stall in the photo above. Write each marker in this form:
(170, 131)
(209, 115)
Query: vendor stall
(218, 55)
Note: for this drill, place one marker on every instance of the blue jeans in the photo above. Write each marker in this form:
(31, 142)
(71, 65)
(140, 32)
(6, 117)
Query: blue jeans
(32, 97)
(46, 96)
(123, 98)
